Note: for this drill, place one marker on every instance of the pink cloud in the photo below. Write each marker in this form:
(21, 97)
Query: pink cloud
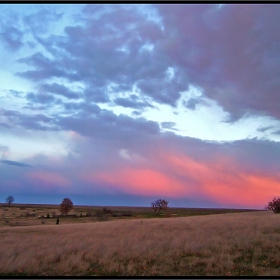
(174, 175)
(139, 181)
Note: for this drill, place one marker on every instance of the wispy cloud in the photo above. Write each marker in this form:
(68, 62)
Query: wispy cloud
(16, 163)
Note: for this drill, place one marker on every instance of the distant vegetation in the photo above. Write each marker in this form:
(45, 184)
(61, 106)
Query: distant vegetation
(274, 205)
(38, 214)
(159, 204)
(66, 206)
(176, 242)
(10, 199)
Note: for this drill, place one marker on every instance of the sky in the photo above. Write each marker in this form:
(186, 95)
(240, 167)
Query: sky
(122, 104)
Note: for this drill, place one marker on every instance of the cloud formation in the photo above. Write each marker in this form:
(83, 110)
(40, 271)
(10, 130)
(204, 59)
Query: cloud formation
(239, 174)
(11, 162)
(94, 78)
(226, 50)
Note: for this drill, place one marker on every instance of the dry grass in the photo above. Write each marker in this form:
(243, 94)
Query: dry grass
(35, 214)
(226, 244)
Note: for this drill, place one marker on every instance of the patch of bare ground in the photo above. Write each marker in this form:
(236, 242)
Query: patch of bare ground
(238, 244)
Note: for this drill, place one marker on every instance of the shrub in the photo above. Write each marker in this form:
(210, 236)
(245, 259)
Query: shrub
(27, 214)
(101, 216)
(127, 214)
(48, 216)
(116, 215)
(274, 205)
(89, 214)
(107, 211)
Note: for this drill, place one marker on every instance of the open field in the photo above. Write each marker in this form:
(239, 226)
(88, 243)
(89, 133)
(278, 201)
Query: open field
(226, 244)
(36, 214)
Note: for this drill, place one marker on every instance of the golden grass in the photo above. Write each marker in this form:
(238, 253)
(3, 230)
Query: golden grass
(225, 244)
(30, 214)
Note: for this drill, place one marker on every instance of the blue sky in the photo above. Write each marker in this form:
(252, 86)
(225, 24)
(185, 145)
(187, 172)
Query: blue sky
(122, 104)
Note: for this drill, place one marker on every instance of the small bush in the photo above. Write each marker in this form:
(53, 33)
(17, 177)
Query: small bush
(89, 214)
(27, 214)
(116, 215)
(107, 211)
(127, 214)
(101, 216)
(48, 216)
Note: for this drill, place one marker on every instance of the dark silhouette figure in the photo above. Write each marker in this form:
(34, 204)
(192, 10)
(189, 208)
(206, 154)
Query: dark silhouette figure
(57, 221)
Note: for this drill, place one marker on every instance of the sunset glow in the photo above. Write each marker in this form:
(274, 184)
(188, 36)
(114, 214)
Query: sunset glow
(125, 103)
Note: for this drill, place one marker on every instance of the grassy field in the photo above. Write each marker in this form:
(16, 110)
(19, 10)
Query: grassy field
(36, 214)
(237, 244)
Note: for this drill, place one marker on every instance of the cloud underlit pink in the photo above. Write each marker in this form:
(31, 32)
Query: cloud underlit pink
(86, 86)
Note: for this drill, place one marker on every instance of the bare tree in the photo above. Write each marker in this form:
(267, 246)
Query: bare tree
(154, 206)
(66, 206)
(164, 204)
(159, 204)
(274, 205)
(10, 199)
